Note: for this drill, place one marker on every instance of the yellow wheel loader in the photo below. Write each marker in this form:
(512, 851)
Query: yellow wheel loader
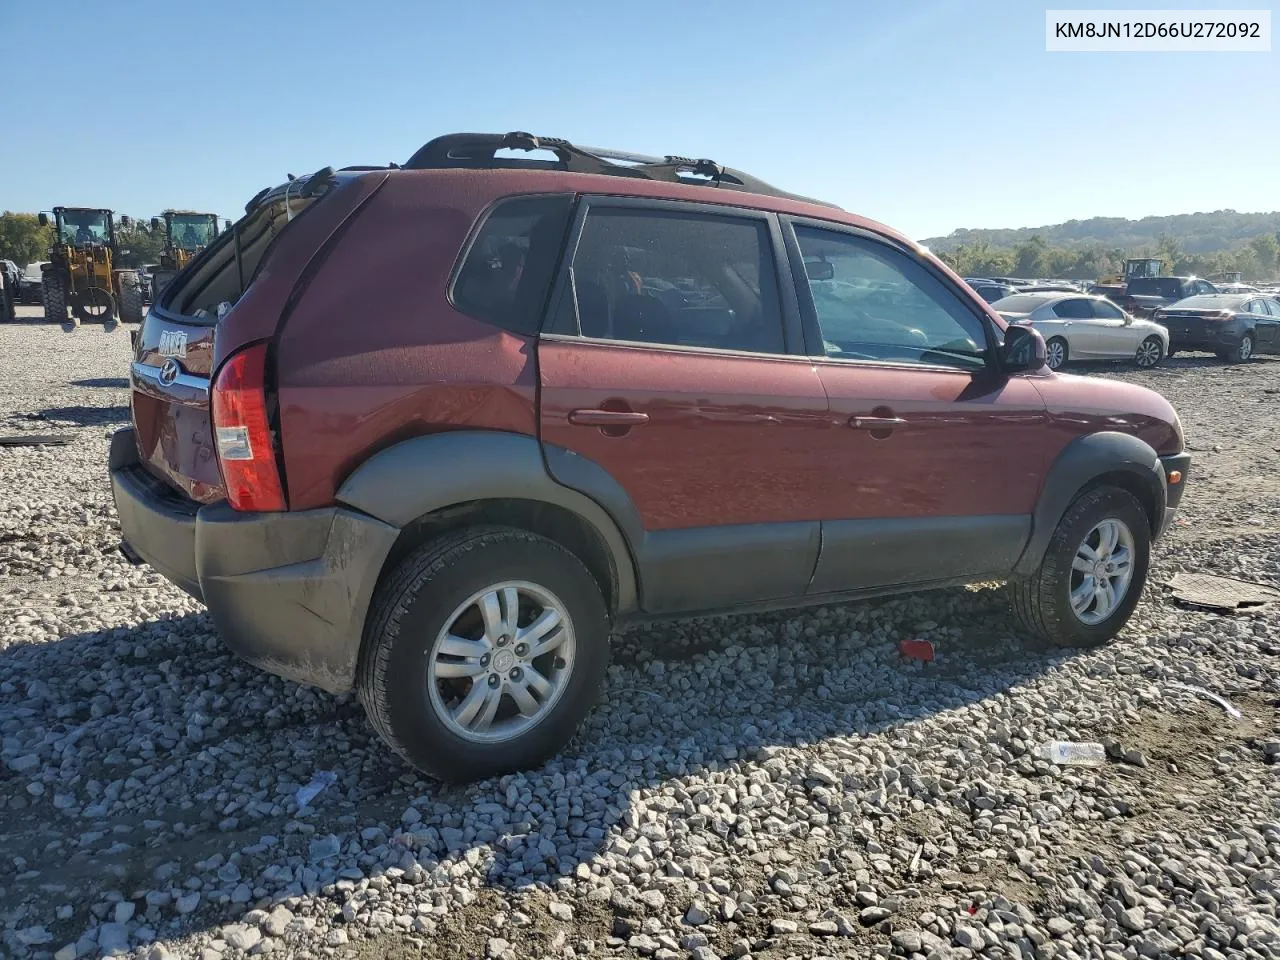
(81, 275)
(187, 233)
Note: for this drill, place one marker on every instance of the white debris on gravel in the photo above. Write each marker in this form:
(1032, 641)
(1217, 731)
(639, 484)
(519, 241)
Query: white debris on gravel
(783, 785)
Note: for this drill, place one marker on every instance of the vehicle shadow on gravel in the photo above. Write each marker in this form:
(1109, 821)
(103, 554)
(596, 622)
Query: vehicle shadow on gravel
(147, 759)
(115, 383)
(84, 416)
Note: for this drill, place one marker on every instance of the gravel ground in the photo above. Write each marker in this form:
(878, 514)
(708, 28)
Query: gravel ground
(774, 786)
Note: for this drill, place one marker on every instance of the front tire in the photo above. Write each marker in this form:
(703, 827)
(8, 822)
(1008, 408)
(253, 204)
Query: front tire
(483, 652)
(1150, 353)
(1056, 353)
(54, 294)
(1092, 574)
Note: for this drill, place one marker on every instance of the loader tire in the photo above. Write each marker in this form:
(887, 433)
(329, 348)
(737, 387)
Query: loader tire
(130, 298)
(53, 290)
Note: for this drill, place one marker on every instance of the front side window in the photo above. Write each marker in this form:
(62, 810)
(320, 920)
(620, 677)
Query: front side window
(675, 278)
(507, 273)
(873, 302)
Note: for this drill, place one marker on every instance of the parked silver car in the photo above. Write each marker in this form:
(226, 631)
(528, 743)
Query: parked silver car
(1083, 327)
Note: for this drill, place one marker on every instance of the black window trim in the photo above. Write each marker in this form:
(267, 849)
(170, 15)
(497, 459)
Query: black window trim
(562, 287)
(965, 294)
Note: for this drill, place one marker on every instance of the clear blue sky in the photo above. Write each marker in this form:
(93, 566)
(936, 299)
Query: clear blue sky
(927, 115)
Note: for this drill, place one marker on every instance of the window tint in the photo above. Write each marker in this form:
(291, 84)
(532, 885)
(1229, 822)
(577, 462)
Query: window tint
(1074, 309)
(1106, 311)
(1273, 307)
(1255, 306)
(507, 272)
(684, 279)
(876, 303)
(1202, 286)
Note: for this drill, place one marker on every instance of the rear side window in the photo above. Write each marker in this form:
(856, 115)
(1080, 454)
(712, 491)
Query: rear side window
(507, 271)
(1106, 311)
(683, 279)
(1074, 309)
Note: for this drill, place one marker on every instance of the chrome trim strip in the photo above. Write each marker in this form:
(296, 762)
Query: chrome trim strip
(184, 387)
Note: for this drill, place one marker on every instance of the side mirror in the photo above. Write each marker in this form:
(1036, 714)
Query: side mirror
(155, 223)
(1128, 319)
(1023, 349)
(819, 269)
(44, 219)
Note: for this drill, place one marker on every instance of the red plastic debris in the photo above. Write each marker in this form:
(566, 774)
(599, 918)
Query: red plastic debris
(917, 650)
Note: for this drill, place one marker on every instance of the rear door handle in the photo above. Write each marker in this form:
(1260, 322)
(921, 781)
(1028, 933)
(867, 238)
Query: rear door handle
(875, 423)
(607, 418)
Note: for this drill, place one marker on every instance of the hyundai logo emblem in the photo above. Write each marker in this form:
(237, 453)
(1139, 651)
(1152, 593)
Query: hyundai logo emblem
(169, 372)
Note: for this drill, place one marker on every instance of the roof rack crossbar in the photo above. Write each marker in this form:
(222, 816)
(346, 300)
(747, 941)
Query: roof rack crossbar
(479, 150)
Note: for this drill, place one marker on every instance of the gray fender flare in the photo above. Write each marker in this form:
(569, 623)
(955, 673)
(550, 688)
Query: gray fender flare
(1081, 462)
(419, 476)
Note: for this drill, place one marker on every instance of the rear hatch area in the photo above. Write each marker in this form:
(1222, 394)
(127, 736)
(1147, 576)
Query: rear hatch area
(169, 376)
(234, 294)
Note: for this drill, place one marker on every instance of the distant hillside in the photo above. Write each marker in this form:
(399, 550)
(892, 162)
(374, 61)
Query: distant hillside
(1193, 232)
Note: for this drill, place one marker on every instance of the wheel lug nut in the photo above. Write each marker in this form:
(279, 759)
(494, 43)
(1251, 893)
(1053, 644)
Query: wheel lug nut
(516, 673)
(560, 663)
(484, 660)
(502, 641)
(522, 649)
(494, 680)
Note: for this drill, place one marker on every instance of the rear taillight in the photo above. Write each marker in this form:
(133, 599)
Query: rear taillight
(245, 451)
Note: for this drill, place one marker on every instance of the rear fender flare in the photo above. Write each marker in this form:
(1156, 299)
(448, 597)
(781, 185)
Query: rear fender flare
(420, 476)
(1083, 461)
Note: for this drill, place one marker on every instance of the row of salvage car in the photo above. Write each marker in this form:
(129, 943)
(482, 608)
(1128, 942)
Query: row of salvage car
(1080, 326)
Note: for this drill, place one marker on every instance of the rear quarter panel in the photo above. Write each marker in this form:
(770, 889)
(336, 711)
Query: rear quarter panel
(373, 352)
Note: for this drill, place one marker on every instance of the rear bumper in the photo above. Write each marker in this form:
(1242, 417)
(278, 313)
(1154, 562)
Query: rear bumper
(287, 591)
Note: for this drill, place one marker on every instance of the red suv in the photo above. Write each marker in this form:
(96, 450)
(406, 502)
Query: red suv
(431, 431)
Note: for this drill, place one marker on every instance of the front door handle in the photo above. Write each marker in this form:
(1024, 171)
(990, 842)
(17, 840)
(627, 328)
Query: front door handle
(607, 418)
(875, 423)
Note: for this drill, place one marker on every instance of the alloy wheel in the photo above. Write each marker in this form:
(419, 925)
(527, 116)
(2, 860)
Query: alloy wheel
(1101, 571)
(1246, 348)
(1148, 353)
(1055, 354)
(501, 662)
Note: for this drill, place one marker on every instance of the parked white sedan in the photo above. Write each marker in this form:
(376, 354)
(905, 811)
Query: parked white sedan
(1082, 327)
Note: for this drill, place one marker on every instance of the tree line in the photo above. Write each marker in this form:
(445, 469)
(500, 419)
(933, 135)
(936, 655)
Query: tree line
(1258, 258)
(24, 241)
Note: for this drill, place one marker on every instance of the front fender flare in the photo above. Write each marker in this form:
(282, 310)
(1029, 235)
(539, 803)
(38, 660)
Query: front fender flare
(422, 475)
(1081, 462)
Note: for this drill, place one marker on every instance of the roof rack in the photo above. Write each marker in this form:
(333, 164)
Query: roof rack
(479, 151)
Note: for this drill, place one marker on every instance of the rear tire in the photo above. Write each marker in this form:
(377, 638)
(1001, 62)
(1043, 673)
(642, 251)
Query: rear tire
(1056, 353)
(1043, 603)
(435, 596)
(54, 293)
(1243, 351)
(130, 298)
(1150, 353)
